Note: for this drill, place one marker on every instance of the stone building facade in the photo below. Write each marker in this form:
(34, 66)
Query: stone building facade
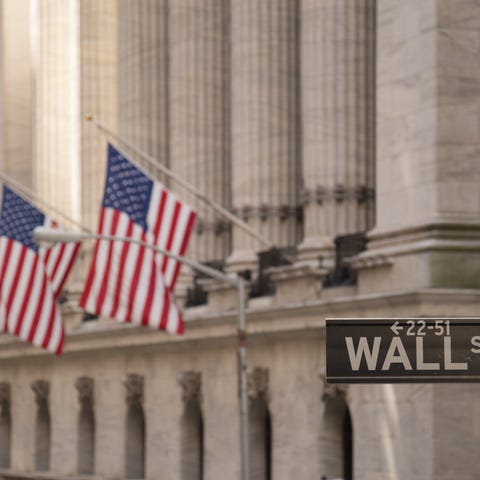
(344, 131)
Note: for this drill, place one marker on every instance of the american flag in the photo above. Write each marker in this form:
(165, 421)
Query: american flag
(128, 282)
(31, 277)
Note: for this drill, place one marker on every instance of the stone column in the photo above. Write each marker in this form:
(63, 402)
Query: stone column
(143, 74)
(98, 96)
(199, 115)
(98, 51)
(55, 40)
(264, 123)
(337, 66)
(16, 157)
(428, 177)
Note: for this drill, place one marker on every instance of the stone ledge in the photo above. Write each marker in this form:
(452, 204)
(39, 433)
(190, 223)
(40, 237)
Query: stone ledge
(14, 475)
(297, 320)
(371, 260)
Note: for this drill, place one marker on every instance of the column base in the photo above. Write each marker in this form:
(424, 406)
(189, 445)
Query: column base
(441, 254)
(241, 260)
(317, 251)
(222, 296)
(297, 283)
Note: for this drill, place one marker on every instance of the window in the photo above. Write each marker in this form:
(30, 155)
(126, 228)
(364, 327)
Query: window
(86, 426)
(260, 440)
(5, 425)
(260, 426)
(192, 427)
(135, 440)
(192, 442)
(337, 439)
(41, 389)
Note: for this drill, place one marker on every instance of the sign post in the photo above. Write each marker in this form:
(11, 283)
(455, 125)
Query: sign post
(403, 350)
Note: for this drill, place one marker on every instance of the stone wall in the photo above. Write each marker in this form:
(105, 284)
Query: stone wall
(269, 107)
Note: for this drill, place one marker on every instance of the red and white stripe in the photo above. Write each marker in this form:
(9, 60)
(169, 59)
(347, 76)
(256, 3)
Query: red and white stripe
(29, 288)
(134, 284)
(125, 280)
(170, 223)
(58, 260)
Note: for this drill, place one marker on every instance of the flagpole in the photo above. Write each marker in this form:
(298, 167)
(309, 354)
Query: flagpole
(188, 186)
(28, 193)
(45, 234)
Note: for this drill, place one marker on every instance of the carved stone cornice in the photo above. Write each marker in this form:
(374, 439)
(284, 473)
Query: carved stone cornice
(338, 193)
(41, 389)
(4, 395)
(191, 383)
(331, 391)
(264, 212)
(134, 389)
(216, 226)
(84, 386)
(257, 382)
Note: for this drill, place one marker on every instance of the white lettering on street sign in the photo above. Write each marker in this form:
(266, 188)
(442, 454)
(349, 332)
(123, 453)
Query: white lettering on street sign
(403, 350)
(363, 349)
(421, 364)
(396, 345)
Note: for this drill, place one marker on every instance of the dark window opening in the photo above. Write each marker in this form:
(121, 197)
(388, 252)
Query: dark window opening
(260, 440)
(196, 295)
(135, 442)
(262, 284)
(42, 454)
(192, 442)
(86, 439)
(346, 246)
(347, 446)
(5, 435)
(337, 440)
(268, 445)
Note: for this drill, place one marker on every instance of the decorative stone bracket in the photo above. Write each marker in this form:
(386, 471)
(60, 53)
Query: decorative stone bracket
(84, 386)
(41, 389)
(134, 389)
(258, 381)
(331, 391)
(4, 396)
(191, 383)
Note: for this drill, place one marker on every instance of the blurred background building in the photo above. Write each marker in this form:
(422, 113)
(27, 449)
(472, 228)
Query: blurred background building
(347, 133)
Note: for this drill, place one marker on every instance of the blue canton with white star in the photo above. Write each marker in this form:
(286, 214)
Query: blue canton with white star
(127, 189)
(19, 218)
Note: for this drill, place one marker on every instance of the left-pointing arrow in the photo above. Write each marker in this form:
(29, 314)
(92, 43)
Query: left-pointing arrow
(396, 328)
